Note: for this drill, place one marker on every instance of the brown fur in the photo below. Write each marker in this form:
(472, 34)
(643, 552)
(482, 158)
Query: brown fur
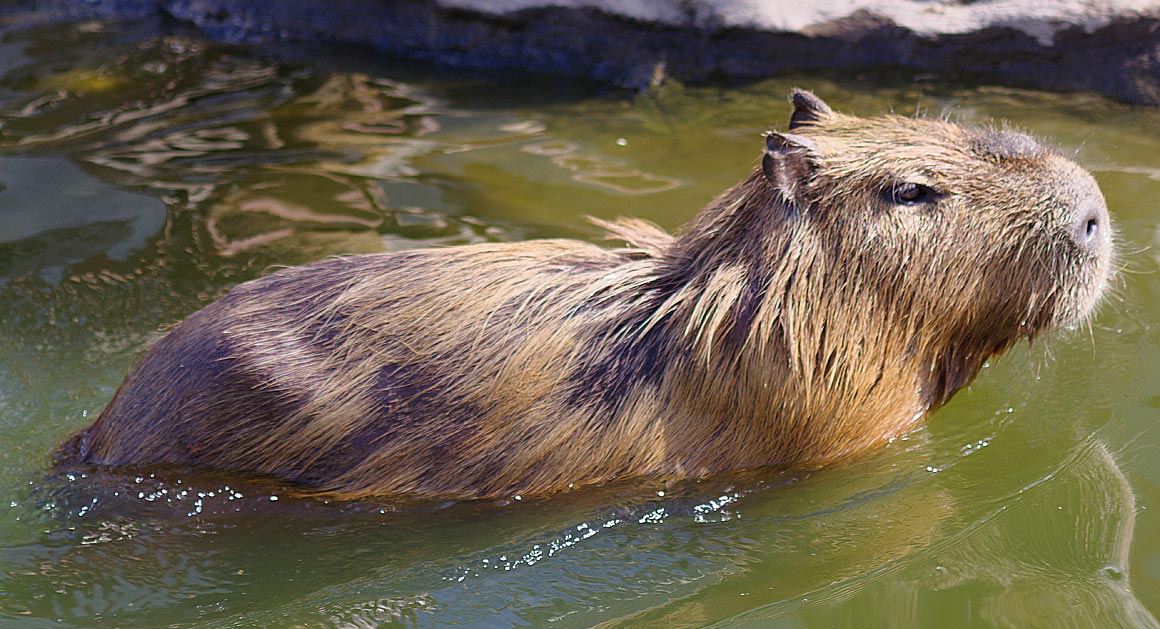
(806, 315)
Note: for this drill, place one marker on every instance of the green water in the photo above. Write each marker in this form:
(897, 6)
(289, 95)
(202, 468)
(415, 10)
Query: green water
(142, 175)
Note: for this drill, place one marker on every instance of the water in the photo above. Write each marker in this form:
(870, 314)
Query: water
(142, 174)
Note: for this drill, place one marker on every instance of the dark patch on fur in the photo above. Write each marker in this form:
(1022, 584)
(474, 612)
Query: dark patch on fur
(408, 389)
(403, 398)
(626, 363)
(743, 316)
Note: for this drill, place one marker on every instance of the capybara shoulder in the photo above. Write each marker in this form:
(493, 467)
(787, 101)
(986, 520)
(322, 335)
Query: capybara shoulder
(853, 281)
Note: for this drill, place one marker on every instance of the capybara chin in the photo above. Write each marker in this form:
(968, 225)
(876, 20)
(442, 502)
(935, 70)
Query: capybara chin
(859, 276)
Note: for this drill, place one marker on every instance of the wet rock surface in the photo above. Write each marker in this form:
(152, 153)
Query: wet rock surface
(1106, 46)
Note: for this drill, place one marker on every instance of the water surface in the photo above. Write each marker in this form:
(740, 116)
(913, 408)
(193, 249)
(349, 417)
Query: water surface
(143, 173)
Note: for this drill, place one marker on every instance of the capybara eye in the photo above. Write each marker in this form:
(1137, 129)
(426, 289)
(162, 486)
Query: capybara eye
(911, 194)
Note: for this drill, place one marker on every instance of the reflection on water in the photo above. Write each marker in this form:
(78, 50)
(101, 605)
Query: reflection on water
(601, 172)
(56, 215)
(1061, 544)
(143, 173)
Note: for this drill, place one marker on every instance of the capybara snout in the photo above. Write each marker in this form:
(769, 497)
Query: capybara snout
(860, 274)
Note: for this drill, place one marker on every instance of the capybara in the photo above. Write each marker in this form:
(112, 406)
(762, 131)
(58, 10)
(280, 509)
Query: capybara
(860, 275)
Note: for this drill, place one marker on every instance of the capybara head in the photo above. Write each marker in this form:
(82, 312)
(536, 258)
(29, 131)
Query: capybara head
(1007, 229)
(859, 276)
(913, 240)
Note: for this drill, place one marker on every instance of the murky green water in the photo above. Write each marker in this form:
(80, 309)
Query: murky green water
(141, 176)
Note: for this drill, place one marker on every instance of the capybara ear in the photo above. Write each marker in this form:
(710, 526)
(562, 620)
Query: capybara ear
(788, 161)
(808, 109)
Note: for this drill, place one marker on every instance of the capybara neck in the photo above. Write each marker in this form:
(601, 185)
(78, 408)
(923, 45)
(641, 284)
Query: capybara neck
(859, 276)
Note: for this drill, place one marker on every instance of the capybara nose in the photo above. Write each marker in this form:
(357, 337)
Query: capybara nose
(1090, 229)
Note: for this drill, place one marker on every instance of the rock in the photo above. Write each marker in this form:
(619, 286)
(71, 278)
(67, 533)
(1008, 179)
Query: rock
(1107, 46)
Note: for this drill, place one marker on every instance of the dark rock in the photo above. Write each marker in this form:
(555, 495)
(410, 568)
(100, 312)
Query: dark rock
(1112, 47)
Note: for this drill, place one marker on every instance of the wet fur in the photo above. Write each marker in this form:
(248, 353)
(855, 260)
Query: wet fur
(798, 319)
